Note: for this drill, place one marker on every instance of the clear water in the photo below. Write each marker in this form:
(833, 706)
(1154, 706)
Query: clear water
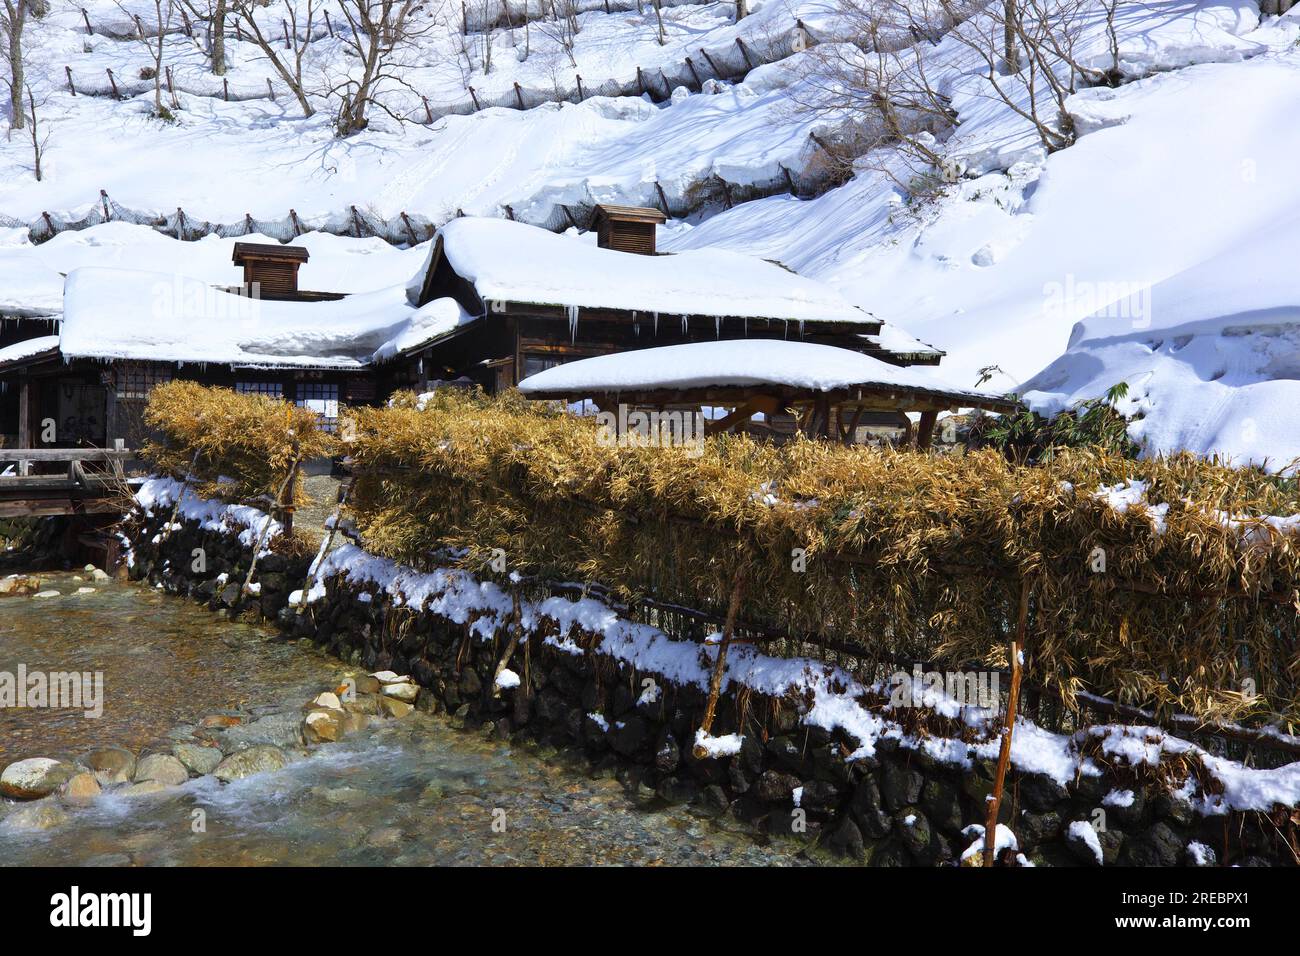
(409, 792)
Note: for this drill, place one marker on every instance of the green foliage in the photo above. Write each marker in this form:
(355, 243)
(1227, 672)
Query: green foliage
(1029, 438)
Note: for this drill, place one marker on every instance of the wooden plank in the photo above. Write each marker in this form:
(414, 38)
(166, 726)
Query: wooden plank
(41, 508)
(66, 454)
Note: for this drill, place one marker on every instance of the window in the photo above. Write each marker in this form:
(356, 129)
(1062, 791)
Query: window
(323, 399)
(135, 380)
(539, 363)
(273, 389)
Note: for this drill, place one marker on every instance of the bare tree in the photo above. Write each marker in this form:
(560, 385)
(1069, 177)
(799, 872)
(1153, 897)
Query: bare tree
(14, 20)
(154, 41)
(563, 27)
(380, 34)
(212, 14)
(298, 23)
(878, 90)
(39, 139)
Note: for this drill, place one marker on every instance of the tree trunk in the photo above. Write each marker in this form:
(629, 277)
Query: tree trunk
(17, 16)
(219, 38)
(1010, 58)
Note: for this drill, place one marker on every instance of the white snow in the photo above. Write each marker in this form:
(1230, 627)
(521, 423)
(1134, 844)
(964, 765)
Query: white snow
(1082, 830)
(804, 365)
(121, 313)
(28, 348)
(507, 679)
(512, 261)
(1118, 798)
(725, 746)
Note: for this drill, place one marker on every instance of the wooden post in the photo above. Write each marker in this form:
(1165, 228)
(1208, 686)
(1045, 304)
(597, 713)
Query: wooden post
(72, 87)
(720, 666)
(516, 630)
(1013, 700)
(925, 430)
(24, 421)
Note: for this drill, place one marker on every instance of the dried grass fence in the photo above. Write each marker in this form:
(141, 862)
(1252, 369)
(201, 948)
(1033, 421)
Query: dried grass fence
(234, 447)
(892, 557)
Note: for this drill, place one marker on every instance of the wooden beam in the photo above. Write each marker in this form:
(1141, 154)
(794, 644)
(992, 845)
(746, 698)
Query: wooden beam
(24, 419)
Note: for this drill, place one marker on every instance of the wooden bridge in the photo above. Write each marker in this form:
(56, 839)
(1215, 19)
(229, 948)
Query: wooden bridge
(35, 482)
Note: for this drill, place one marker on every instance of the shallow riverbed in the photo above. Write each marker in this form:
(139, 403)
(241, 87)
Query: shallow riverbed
(408, 792)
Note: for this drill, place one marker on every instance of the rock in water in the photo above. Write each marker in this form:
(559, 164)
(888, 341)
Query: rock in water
(322, 726)
(36, 816)
(111, 764)
(396, 708)
(402, 690)
(34, 777)
(81, 789)
(163, 768)
(197, 759)
(257, 759)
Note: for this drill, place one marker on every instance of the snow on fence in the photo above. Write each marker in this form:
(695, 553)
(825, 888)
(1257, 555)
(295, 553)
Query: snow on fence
(507, 14)
(820, 169)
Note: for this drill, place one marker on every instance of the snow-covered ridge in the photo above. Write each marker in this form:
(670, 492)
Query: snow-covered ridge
(244, 521)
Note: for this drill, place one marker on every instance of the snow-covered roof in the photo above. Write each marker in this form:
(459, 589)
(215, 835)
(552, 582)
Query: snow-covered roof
(28, 348)
(28, 287)
(743, 362)
(117, 313)
(514, 262)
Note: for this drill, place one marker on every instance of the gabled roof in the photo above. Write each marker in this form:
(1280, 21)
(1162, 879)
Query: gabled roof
(503, 261)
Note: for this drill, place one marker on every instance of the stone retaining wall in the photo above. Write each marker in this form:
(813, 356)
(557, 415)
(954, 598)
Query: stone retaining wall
(899, 807)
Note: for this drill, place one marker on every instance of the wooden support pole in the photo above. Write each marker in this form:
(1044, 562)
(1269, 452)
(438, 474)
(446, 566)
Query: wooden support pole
(516, 630)
(925, 430)
(24, 421)
(720, 666)
(1013, 701)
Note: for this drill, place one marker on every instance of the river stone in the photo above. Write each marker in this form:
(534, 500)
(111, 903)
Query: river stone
(97, 575)
(112, 765)
(259, 758)
(399, 708)
(19, 584)
(327, 701)
(37, 816)
(276, 730)
(197, 758)
(34, 777)
(322, 726)
(366, 684)
(776, 787)
(914, 835)
(901, 786)
(847, 838)
(164, 768)
(354, 722)
(145, 788)
(81, 788)
(404, 691)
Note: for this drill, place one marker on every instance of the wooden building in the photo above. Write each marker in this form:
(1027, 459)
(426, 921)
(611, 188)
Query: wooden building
(122, 333)
(535, 300)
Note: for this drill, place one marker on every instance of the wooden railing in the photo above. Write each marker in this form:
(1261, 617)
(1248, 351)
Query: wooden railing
(114, 459)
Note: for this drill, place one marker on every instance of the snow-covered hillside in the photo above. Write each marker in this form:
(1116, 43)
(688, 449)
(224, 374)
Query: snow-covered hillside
(1152, 251)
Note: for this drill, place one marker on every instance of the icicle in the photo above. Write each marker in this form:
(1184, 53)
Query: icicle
(685, 325)
(656, 322)
(801, 328)
(717, 326)
(573, 322)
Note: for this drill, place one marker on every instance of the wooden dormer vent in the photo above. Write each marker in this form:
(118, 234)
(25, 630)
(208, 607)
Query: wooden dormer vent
(627, 228)
(273, 267)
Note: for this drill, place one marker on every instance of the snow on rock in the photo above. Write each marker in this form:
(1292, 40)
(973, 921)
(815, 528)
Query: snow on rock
(724, 746)
(507, 679)
(247, 523)
(1082, 831)
(740, 362)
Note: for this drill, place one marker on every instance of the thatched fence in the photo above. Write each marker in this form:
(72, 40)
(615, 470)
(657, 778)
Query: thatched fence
(1175, 593)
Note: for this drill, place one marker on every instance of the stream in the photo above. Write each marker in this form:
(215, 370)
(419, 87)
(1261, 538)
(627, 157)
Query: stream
(402, 792)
